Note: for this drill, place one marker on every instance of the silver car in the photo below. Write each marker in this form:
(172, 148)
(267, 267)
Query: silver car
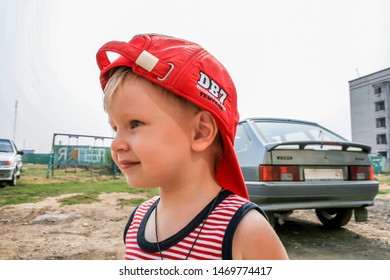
(291, 164)
(10, 162)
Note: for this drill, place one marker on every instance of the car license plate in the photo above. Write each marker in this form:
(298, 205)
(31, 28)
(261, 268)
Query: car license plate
(322, 174)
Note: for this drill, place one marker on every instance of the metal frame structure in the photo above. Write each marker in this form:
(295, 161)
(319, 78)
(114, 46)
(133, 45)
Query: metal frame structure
(51, 164)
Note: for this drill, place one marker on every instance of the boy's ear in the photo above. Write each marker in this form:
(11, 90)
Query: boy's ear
(205, 130)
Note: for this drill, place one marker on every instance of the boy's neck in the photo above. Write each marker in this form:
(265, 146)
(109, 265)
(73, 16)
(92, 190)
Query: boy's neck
(189, 196)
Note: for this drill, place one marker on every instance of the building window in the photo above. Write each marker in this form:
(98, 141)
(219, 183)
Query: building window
(380, 122)
(381, 139)
(380, 106)
(378, 91)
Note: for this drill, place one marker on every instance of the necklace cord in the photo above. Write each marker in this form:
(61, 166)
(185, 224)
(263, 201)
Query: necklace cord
(197, 236)
(155, 224)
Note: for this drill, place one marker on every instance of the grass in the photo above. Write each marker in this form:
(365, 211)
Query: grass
(384, 180)
(79, 198)
(33, 186)
(384, 192)
(131, 201)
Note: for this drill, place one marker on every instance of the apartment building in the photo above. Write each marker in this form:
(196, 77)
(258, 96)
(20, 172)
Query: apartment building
(370, 112)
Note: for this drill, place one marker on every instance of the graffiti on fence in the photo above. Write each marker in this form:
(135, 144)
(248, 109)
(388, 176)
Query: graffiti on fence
(80, 155)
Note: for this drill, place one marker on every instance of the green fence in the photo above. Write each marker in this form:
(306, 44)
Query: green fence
(379, 163)
(81, 156)
(72, 157)
(36, 158)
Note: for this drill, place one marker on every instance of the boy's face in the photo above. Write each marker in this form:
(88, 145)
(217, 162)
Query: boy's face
(153, 135)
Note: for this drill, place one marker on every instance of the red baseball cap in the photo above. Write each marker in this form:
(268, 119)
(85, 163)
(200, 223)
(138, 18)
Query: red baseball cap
(188, 70)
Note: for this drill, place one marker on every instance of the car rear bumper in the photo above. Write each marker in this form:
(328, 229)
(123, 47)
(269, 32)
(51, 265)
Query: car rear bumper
(285, 196)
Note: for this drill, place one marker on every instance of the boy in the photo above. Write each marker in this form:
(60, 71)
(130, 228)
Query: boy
(174, 110)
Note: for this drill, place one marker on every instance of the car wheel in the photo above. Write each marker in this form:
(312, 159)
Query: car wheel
(19, 174)
(12, 182)
(334, 218)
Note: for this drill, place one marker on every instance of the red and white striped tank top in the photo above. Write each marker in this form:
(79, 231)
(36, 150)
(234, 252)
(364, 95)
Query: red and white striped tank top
(213, 243)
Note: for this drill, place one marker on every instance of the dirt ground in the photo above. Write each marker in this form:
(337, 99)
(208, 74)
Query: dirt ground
(49, 230)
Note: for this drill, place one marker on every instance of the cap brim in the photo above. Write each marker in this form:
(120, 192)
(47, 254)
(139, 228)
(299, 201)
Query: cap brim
(229, 174)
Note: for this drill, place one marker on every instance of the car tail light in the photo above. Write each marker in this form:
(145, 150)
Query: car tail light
(8, 163)
(361, 173)
(279, 173)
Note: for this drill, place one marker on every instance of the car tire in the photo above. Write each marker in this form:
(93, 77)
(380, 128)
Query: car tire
(12, 182)
(19, 173)
(334, 218)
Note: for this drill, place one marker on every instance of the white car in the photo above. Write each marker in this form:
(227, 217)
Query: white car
(10, 162)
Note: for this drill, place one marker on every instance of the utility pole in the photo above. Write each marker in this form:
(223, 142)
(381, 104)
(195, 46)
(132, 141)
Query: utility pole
(16, 112)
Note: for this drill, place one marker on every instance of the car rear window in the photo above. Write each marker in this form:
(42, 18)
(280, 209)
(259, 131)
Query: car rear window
(291, 131)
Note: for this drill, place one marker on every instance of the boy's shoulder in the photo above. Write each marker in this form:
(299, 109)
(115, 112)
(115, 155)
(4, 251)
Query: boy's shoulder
(149, 202)
(243, 205)
(140, 209)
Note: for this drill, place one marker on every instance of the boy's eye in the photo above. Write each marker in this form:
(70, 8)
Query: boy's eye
(135, 124)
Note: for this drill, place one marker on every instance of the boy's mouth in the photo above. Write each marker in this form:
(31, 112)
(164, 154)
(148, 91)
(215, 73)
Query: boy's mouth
(125, 164)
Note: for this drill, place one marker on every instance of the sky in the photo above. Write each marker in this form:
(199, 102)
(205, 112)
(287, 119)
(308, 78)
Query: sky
(288, 59)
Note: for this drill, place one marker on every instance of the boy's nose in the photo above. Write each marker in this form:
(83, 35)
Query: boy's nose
(119, 144)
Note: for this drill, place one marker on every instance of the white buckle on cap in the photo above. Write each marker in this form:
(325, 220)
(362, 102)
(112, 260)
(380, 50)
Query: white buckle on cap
(147, 61)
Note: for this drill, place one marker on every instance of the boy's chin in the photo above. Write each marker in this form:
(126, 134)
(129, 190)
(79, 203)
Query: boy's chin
(138, 185)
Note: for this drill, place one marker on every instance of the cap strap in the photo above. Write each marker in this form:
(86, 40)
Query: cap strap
(147, 61)
(136, 55)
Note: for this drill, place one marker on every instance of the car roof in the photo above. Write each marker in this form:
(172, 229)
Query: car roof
(265, 119)
(295, 121)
